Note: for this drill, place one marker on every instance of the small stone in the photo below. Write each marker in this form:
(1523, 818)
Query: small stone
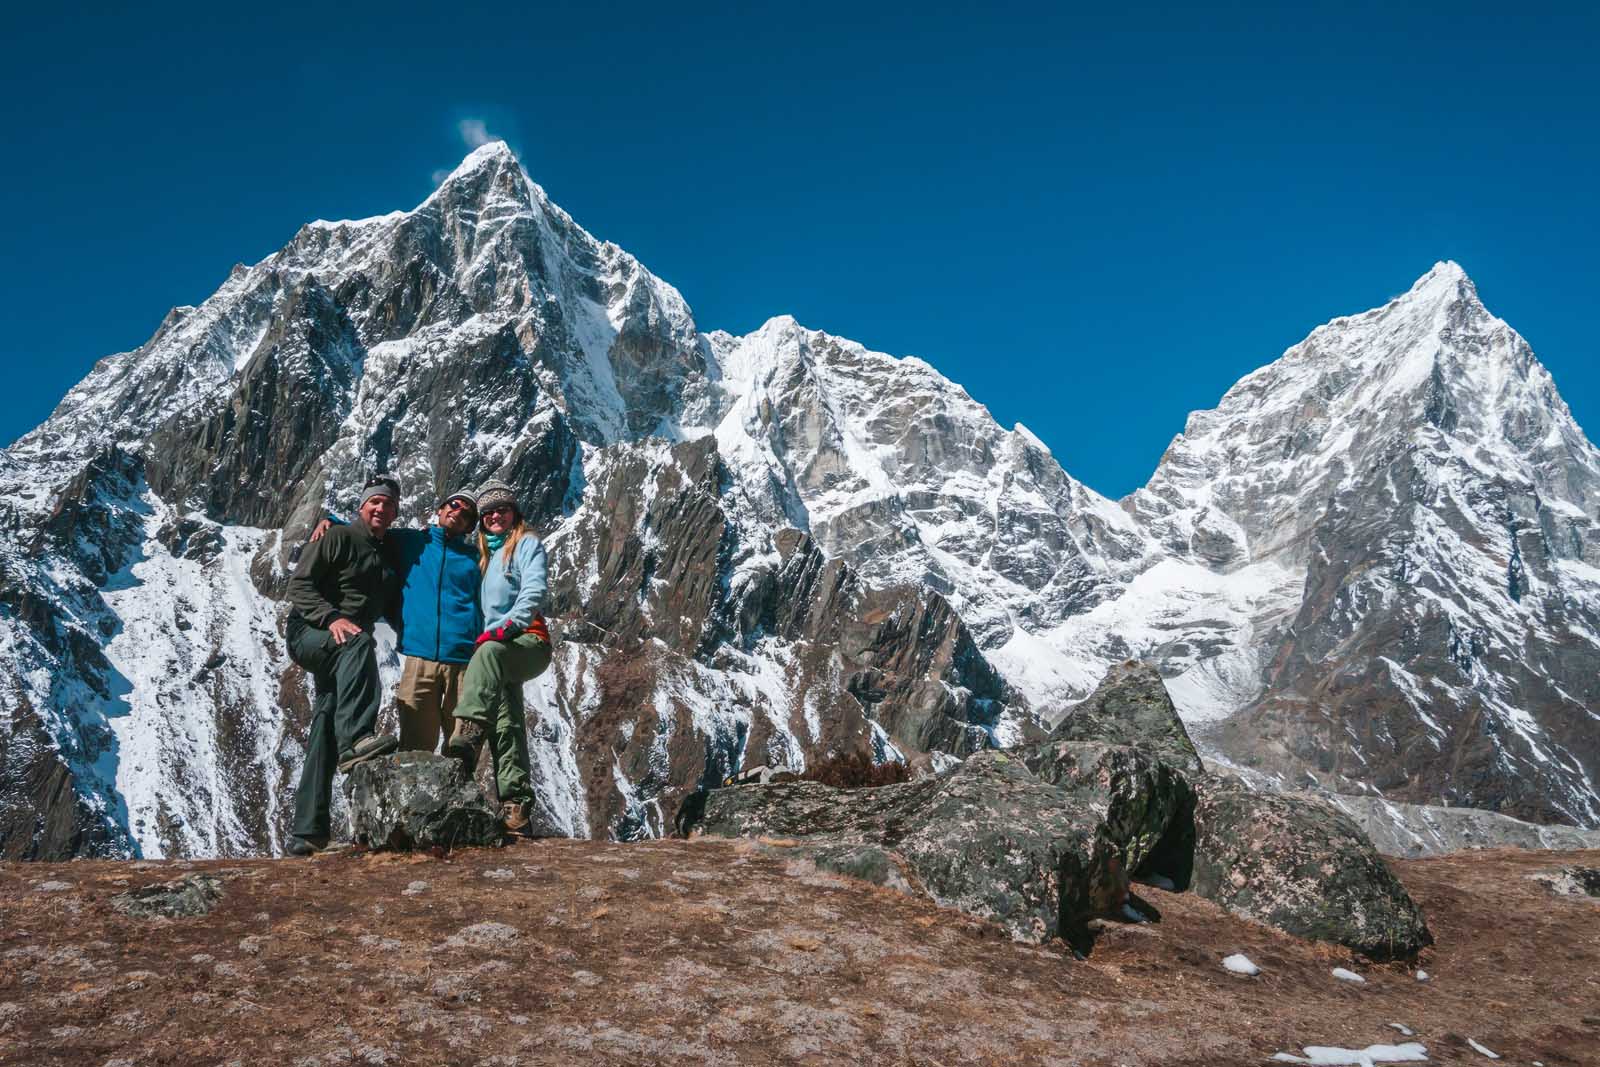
(414, 889)
(1345, 975)
(499, 874)
(188, 897)
(53, 887)
(1422, 976)
(483, 935)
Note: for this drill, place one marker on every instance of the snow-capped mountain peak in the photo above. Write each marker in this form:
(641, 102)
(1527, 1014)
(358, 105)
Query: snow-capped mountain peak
(1374, 561)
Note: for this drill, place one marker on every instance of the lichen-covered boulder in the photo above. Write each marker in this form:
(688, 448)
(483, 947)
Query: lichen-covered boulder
(1144, 805)
(417, 800)
(988, 838)
(1300, 865)
(1131, 707)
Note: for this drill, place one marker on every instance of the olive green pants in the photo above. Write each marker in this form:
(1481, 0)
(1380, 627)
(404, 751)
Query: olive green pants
(491, 695)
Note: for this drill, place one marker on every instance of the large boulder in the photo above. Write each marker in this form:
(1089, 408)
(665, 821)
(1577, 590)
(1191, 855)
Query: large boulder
(1298, 864)
(1144, 805)
(988, 838)
(1131, 707)
(417, 800)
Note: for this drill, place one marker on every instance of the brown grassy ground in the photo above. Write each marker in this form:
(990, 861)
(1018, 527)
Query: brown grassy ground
(720, 952)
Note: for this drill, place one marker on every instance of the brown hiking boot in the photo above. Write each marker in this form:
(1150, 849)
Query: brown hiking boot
(518, 817)
(370, 747)
(465, 743)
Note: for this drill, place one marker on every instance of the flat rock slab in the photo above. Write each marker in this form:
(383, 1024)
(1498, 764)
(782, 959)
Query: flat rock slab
(417, 801)
(185, 898)
(988, 838)
(1303, 866)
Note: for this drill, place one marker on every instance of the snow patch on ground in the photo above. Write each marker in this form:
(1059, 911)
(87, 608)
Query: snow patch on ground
(1371, 1056)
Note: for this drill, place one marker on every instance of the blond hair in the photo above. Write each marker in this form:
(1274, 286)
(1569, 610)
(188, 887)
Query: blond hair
(518, 532)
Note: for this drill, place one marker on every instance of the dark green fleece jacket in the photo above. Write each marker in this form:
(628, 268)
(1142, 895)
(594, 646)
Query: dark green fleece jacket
(348, 574)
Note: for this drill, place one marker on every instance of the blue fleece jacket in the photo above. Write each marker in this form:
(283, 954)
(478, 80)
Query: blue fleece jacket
(439, 609)
(514, 594)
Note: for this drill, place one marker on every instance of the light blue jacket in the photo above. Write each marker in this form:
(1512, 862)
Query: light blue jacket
(513, 595)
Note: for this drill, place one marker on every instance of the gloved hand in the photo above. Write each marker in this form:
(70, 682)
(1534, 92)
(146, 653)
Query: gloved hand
(499, 633)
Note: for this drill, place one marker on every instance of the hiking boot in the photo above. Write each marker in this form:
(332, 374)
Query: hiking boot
(370, 747)
(518, 817)
(306, 846)
(465, 743)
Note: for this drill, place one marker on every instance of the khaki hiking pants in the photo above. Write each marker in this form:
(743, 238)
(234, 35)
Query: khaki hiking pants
(426, 697)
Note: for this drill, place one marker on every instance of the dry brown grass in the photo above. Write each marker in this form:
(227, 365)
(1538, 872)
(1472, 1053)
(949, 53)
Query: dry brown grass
(855, 770)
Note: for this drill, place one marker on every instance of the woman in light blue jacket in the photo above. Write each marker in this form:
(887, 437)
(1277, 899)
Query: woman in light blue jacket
(514, 648)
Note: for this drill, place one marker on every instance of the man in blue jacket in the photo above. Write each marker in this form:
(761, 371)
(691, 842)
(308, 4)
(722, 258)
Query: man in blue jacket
(439, 618)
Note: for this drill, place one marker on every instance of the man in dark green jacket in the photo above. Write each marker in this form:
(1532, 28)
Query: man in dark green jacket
(344, 583)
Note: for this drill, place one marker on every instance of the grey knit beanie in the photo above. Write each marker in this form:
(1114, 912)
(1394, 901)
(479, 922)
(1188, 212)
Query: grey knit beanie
(469, 495)
(495, 493)
(381, 485)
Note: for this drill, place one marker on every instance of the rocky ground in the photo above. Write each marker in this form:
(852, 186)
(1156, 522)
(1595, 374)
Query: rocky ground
(733, 952)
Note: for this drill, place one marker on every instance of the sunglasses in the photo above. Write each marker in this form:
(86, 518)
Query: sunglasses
(503, 509)
(458, 505)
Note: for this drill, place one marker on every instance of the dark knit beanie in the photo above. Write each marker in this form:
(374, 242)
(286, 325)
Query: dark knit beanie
(495, 493)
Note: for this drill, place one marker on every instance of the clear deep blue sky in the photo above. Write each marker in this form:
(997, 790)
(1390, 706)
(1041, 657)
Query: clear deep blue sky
(1095, 220)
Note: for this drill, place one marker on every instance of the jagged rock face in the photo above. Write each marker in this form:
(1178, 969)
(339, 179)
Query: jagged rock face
(896, 469)
(1385, 536)
(1301, 865)
(692, 642)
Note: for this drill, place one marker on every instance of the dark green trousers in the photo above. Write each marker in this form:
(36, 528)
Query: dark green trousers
(346, 709)
(491, 695)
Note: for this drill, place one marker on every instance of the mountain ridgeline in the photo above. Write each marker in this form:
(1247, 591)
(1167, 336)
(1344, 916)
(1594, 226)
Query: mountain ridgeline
(1375, 565)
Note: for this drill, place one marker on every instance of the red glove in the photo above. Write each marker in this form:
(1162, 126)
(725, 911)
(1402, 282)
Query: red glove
(499, 633)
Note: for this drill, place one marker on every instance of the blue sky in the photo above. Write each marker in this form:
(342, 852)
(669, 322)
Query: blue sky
(1096, 221)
